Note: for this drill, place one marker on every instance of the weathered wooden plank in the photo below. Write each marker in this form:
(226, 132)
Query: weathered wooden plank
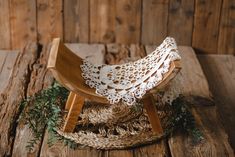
(119, 153)
(76, 21)
(49, 20)
(158, 149)
(3, 56)
(116, 54)
(7, 61)
(206, 25)
(22, 22)
(58, 149)
(180, 21)
(23, 135)
(5, 25)
(102, 21)
(193, 82)
(220, 72)
(95, 54)
(12, 95)
(227, 28)
(137, 52)
(154, 21)
(40, 79)
(119, 54)
(128, 21)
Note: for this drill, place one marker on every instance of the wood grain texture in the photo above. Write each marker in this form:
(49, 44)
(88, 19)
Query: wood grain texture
(206, 25)
(23, 136)
(93, 52)
(220, 72)
(69, 101)
(116, 54)
(75, 109)
(154, 21)
(39, 79)
(49, 20)
(58, 149)
(227, 28)
(180, 21)
(22, 22)
(151, 110)
(76, 21)
(7, 61)
(128, 21)
(12, 95)
(119, 153)
(193, 82)
(102, 21)
(5, 25)
(157, 149)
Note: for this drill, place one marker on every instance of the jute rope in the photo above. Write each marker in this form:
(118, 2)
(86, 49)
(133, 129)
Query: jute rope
(116, 126)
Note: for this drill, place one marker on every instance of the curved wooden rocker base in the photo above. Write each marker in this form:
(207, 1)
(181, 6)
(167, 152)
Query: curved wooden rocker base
(65, 67)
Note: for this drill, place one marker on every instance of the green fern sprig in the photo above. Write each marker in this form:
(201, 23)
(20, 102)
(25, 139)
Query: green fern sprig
(183, 119)
(43, 110)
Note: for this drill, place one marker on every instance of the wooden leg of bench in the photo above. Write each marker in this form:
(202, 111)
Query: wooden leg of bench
(75, 104)
(69, 100)
(153, 115)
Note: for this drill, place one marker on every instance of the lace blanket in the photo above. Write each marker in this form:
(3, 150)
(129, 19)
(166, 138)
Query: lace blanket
(130, 81)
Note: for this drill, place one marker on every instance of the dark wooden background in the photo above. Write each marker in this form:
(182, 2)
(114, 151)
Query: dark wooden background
(206, 25)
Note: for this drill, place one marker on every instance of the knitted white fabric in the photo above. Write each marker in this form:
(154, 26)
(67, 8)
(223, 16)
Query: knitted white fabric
(132, 80)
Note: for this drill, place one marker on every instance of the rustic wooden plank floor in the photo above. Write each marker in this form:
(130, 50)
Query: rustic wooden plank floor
(220, 72)
(25, 73)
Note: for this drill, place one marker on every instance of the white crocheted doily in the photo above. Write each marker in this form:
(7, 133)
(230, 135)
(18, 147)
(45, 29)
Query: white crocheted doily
(132, 80)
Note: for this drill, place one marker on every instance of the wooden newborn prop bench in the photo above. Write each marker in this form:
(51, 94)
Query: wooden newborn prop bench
(109, 84)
